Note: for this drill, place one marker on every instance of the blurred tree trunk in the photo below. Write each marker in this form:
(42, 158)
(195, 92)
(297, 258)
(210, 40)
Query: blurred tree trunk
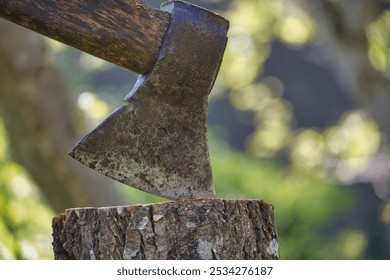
(342, 26)
(43, 123)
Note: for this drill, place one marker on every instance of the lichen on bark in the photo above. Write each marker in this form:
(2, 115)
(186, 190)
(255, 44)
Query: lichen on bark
(186, 229)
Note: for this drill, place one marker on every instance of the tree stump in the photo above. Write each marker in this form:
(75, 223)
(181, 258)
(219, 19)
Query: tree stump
(186, 229)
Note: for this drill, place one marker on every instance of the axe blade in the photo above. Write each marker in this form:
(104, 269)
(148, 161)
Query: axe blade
(157, 142)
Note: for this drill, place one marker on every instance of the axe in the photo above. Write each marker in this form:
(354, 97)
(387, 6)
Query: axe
(157, 141)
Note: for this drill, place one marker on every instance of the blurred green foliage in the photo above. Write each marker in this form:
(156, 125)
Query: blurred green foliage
(378, 35)
(304, 206)
(25, 218)
(305, 203)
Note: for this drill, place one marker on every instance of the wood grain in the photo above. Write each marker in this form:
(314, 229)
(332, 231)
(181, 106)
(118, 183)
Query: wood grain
(186, 229)
(125, 32)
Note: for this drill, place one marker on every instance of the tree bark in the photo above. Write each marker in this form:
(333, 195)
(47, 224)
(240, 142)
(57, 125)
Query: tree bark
(187, 229)
(43, 123)
(128, 33)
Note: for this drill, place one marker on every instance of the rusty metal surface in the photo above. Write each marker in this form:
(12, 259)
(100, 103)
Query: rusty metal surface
(157, 142)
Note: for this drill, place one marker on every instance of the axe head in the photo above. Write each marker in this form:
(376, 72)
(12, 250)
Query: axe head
(157, 141)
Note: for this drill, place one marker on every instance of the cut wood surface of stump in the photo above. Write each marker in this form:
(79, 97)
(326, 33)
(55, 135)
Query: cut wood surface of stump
(186, 229)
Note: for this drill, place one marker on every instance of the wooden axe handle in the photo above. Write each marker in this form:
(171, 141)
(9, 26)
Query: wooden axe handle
(125, 32)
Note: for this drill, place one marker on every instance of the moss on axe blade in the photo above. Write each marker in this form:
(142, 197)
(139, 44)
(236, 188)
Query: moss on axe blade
(157, 142)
